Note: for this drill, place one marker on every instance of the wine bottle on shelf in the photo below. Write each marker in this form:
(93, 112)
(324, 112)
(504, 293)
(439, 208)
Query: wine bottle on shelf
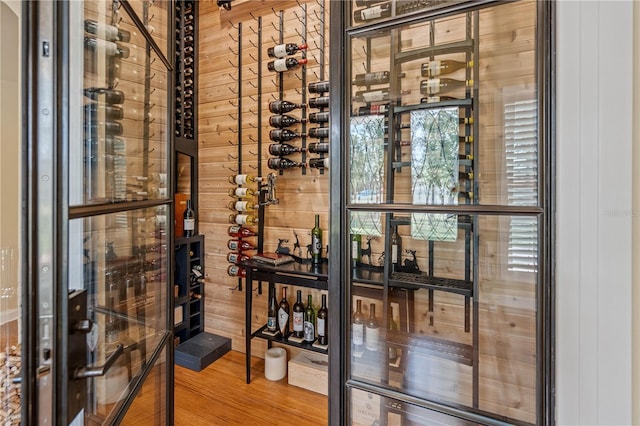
(319, 117)
(110, 112)
(283, 120)
(282, 50)
(356, 249)
(318, 87)
(283, 135)
(105, 31)
(318, 132)
(298, 316)
(309, 321)
(189, 218)
(109, 96)
(393, 326)
(373, 109)
(379, 95)
(319, 163)
(446, 66)
(372, 13)
(283, 314)
(283, 149)
(110, 48)
(272, 311)
(319, 102)
(240, 245)
(372, 330)
(316, 242)
(111, 128)
(238, 231)
(241, 205)
(282, 164)
(237, 257)
(396, 249)
(243, 219)
(322, 322)
(243, 179)
(370, 78)
(283, 107)
(318, 147)
(242, 192)
(437, 85)
(357, 328)
(236, 271)
(281, 65)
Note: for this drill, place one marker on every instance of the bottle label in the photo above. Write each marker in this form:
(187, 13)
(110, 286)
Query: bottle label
(309, 332)
(378, 109)
(233, 257)
(358, 334)
(373, 77)
(233, 245)
(241, 219)
(373, 337)
(241, 179)
(233, 270)
(271, 324)
(394, 253)
(432, 86)
(234, 229)
(280, 51)
(321, 331)
(433, 68)
(189, 224)
(280, 65)
(298, 321)
(316, 245)
(377, 95)
(283, 319)
(355, 250)
(371, 13)
(241, 206)
(241, 192)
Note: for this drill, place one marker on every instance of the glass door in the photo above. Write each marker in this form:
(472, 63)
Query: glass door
(100, 218)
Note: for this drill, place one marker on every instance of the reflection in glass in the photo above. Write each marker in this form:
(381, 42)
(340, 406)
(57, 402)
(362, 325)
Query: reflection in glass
(434, 171)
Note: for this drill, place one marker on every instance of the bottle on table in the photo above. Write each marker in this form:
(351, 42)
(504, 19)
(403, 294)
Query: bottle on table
(357, 328)
(309, 321)
(283, 314)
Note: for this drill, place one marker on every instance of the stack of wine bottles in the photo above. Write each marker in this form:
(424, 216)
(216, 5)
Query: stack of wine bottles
(321, 119)
(281, 57)
(244, 207)
(297, 322)
(185, 69)
(281, 135)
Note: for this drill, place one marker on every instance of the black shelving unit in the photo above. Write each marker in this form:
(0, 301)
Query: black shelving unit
(189, 288)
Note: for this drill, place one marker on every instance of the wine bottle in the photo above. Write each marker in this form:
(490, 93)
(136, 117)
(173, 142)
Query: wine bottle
(242, 192)
(318, 147)
(241, 205)
(108, 47)
(109, 96)
(319, 117)
(236, 271)
(283, 120)
(319, 102)
(371, 13)
(283, 149)
(283, 314)
(272, 311)
(356, 249)
(373, 110)
(465, 139)
(112, 128)
(239, 245)
(283, 135)
(318, 87)
(437, 85)
(282, 164)
(357, 328)
(189, 218)
(243, 219)
(107, 32)
(379, 95)
(282, 50)
(372, 330)
(237, 257)
(446, 66)
(238, 231)
(281, 65)
(318, 132)
(298, 316)
(367, 79)
(393, 326)
(396, 249)
(108, 111)
(283, 107)
(243, 179)
(316, 242)
(309, 321)
(321, 322)
(319, 163)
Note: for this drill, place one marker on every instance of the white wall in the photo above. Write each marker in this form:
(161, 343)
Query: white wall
(594, 212)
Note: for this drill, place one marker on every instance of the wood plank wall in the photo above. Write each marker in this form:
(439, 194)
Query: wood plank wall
(507, 298)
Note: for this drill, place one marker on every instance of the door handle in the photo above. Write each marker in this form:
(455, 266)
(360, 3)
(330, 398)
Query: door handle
(99, 370)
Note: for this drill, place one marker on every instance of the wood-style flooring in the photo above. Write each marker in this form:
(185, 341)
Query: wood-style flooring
(219, 395)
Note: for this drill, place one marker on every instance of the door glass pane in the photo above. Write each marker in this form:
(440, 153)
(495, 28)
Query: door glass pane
(150, 407)
(154, 14)
(10, 211)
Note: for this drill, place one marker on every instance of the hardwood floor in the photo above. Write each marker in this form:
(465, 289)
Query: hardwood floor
(219, 395)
